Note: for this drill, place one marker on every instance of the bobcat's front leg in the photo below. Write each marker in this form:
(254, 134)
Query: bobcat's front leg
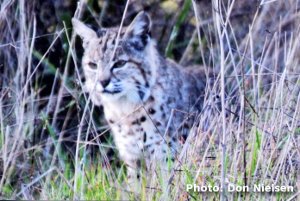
(133, 172)
(133, 176)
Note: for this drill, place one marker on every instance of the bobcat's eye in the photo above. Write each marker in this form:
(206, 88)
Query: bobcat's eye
(92, 65)
(119, 64)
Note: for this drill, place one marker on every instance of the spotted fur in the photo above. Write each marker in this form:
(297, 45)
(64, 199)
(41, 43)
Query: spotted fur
(138, 89)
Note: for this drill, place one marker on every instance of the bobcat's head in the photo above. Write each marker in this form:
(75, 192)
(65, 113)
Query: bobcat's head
(121, 69)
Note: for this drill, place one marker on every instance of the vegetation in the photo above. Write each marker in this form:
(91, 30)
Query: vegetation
(55, 145)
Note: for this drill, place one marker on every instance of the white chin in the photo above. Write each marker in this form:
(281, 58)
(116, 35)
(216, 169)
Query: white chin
(123, 96)
(111, 96)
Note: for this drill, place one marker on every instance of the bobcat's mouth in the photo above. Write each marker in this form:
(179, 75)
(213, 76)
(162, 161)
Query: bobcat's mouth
(116, 91)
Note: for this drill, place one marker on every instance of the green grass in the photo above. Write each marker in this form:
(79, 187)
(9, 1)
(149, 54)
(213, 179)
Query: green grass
(182, 16)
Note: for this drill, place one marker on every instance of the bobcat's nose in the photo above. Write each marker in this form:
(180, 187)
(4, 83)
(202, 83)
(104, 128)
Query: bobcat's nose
(105, 82)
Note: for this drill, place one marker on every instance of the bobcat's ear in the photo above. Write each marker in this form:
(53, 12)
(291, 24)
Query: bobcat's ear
(139, 29)
(83, 31)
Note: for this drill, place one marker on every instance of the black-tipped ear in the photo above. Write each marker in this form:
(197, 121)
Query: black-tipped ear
(139, 29)
(83, 31)
(140, 25)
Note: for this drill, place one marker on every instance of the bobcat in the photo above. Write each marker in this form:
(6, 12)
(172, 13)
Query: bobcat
(149, 102)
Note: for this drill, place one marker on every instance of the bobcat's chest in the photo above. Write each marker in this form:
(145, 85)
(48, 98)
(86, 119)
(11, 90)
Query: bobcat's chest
(136, 136)
(140, 130)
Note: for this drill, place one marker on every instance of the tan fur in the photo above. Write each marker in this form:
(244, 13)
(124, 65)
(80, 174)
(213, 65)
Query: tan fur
(139, 96)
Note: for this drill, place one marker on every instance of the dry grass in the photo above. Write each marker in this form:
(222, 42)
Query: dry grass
(254, 139)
